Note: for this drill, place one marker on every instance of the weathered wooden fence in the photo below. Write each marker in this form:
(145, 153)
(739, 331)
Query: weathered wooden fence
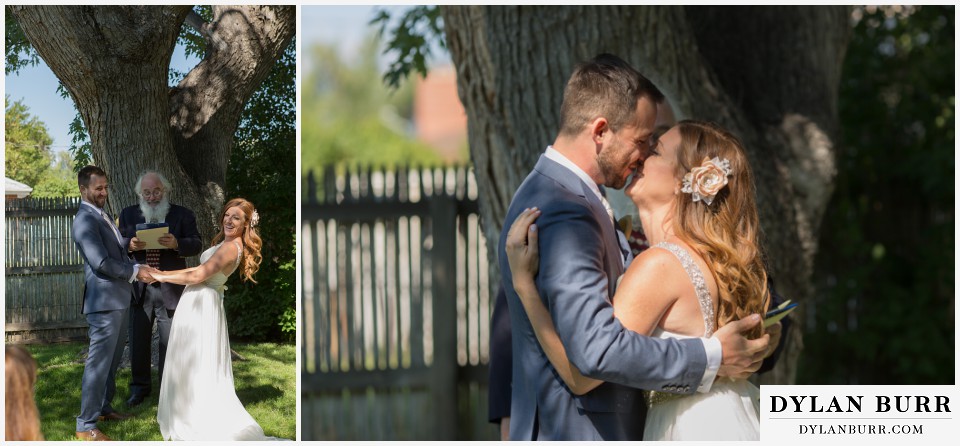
(396, 306)
(44, 272)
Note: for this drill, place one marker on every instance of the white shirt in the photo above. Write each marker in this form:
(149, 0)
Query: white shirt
(710, 345)
(116, 232)
(553, 155)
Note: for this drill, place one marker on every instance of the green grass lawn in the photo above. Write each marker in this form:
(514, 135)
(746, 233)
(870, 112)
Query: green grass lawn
(266, 384)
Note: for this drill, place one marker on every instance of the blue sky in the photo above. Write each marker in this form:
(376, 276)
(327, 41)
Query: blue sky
(344, 26)
(37, 87)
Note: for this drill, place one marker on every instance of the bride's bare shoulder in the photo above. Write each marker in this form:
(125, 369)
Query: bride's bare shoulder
(656, 261)
(227, 252)
(657, 271)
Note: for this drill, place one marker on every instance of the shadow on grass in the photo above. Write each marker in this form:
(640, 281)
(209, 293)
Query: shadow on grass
(58, 393)
(257, 394)
(58, 400)
(282, 353)
(59, 405)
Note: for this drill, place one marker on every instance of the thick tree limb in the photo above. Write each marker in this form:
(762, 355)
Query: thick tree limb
(244, 43)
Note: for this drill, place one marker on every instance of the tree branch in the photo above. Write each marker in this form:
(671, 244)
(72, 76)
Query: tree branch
(196, 22)
(244, 43)
(202, 27)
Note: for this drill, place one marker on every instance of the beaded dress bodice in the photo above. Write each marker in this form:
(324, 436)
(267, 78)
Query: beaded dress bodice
(729, 410)
(706, 309)
(699, 285)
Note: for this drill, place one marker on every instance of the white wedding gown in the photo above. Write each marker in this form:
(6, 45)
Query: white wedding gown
(198, 400)
(729, 411)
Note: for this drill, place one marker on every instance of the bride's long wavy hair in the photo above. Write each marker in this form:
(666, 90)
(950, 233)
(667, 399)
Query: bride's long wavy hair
(726, 232)
(250, 259)
(23, 419)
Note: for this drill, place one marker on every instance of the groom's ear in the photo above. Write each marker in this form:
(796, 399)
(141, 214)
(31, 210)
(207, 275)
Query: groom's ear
(599, 128)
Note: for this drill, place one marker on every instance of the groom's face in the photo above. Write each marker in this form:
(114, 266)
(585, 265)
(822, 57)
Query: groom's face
(96, 191)
(621, 155)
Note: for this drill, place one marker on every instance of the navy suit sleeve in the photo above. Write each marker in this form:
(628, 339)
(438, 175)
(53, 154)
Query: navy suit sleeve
(188, 243)
(89, 240)
(574, 283)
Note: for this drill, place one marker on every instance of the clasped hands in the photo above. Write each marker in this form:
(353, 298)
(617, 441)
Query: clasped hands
(167, 240)
(146, 274)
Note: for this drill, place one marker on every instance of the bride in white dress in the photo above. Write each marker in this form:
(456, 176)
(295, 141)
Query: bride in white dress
(695, 197)
(198, 400)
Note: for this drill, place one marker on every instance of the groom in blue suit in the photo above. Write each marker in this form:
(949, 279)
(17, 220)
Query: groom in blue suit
(108, 278)
(607, 119)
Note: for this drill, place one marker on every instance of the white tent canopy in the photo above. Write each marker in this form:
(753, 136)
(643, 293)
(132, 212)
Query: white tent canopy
(16, 188)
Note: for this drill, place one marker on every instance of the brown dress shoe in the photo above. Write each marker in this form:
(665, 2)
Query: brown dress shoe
(114, 416)
(93, 435)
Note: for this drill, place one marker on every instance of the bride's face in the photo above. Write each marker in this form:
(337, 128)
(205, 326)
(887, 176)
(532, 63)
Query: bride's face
(655, 182)
(233, 221)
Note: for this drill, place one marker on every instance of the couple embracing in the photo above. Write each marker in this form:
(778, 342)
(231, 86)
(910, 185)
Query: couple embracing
(197, 396)
(657, 347)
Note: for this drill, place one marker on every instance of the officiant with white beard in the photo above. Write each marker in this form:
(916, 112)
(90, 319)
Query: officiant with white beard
(157, 301)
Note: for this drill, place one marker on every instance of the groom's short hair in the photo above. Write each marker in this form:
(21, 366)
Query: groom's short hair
(83, 177)
(604, 86)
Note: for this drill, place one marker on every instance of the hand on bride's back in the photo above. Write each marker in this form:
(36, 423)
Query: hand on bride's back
(521, 247)
(741, 356)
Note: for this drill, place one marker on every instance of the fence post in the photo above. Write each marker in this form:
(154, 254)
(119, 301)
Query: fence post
(443, 214)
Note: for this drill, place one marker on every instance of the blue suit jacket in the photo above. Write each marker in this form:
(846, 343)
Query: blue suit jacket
(580, 261)
(183, 226)
(106, 267)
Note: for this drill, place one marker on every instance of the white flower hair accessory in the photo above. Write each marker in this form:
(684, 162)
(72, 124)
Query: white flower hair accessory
(254, 219)
(705, 182)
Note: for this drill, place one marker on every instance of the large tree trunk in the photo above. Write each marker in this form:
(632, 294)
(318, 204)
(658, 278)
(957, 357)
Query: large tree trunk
(769, 74)
(114, 62)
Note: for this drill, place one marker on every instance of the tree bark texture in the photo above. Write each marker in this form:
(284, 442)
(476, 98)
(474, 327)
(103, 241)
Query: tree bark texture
(114, 62)
(243, 44)
(769, 74)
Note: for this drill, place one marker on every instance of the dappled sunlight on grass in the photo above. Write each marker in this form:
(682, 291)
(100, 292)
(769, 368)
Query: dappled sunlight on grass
(266, 384)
